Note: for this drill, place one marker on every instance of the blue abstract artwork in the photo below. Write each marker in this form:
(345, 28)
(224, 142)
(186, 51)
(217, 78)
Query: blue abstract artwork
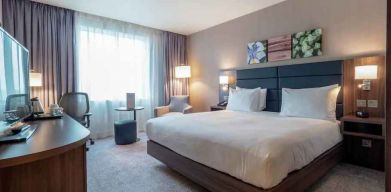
(257, 52)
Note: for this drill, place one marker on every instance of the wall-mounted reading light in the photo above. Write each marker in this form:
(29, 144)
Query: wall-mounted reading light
(365, 73)
(224, 81)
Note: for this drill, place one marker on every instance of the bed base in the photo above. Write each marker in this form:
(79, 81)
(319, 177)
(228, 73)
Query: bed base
(216, 181)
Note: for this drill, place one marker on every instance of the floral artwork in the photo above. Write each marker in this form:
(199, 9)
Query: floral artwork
(307, 44)
(279, 48)
(257, 52)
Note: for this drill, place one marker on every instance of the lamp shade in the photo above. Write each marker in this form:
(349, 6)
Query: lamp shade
(35, 80)
(365, 72)
(223, 79)
(182, 72)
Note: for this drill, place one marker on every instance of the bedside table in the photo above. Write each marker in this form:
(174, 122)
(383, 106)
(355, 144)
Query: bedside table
(217, 108)
(364, 141)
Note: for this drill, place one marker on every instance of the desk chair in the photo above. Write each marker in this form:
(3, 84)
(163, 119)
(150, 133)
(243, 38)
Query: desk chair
(77, 105)
(16, 106)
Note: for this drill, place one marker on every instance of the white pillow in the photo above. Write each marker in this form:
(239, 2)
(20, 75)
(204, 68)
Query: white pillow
(262, 97)
(243, 100)
(317, 103)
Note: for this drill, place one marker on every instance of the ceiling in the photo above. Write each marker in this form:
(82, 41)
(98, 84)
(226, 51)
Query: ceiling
(179, 16)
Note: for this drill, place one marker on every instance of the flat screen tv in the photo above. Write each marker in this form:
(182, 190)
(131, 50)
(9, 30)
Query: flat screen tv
(14, 81)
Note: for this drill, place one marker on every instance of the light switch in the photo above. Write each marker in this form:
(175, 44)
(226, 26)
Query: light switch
(361, 103)
(372, 103)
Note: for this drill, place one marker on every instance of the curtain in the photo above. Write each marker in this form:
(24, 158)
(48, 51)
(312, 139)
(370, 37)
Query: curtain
(115, 58)
(47, 32)
(175, 55)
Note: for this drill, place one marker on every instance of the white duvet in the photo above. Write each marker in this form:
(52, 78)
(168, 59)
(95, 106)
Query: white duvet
(259, 148)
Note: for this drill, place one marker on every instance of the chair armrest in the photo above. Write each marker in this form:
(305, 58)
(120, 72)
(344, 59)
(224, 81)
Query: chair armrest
(87, 119)
(188, 109)
(159, 111)
(88, 114)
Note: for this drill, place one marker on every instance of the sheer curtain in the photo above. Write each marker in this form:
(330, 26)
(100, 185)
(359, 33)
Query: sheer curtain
(115, 58)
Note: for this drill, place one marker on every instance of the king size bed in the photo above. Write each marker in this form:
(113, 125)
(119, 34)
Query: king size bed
(254, 151)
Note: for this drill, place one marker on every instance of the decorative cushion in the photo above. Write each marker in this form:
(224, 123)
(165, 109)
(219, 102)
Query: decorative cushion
(179, 103)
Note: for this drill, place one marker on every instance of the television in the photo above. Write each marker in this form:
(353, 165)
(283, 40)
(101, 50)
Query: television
(14, 81)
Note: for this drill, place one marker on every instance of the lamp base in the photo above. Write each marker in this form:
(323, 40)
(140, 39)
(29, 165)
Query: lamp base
(362, 114)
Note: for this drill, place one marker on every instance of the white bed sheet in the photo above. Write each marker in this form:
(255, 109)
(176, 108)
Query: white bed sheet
(259, 148)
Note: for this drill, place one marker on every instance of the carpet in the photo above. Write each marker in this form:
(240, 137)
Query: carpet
(128, 168)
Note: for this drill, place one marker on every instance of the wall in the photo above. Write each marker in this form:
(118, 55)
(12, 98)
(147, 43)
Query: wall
(1, 12)
(352, 92)
(350, 27)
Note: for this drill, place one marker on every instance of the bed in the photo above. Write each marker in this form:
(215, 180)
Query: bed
(254, 151)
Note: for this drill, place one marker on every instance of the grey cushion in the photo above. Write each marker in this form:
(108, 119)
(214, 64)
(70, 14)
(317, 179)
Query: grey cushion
(179, 103)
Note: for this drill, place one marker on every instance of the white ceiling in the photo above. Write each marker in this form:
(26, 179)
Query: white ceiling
(179, 16)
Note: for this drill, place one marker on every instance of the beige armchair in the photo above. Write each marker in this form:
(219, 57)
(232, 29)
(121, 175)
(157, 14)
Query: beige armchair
(179, 105)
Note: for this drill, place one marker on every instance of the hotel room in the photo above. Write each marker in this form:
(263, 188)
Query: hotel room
(196, 95)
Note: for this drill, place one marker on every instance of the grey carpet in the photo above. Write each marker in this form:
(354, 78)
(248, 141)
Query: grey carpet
(128, 168)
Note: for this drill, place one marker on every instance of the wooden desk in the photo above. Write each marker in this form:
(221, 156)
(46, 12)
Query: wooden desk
(53, 159)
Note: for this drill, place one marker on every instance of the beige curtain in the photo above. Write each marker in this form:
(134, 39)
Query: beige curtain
(175, 55)
(47, 32)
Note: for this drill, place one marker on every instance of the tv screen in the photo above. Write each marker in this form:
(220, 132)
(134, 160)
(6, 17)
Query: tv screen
(14, 81)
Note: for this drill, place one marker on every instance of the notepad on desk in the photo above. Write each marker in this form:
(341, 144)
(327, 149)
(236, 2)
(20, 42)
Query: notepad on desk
(26, 132)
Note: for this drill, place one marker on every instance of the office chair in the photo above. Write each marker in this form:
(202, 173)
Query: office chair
(77, 105)
(16, 106)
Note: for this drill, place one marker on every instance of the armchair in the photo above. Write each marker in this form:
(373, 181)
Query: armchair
(178, 105)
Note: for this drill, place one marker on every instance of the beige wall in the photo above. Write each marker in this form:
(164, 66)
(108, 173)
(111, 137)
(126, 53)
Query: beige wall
(350, 27)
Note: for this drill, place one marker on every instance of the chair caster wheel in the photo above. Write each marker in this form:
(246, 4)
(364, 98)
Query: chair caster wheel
(92, 142)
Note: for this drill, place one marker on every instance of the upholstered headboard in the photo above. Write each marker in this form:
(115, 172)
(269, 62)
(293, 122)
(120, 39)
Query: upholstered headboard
(293, 76)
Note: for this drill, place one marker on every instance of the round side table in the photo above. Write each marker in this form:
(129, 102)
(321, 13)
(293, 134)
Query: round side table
(134, 118)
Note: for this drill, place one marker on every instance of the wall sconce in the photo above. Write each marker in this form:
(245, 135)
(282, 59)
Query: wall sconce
(224, 81)
(365, 73)
(182, 72)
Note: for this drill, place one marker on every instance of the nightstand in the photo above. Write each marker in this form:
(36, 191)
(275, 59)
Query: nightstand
(364, 141)
(217, 108)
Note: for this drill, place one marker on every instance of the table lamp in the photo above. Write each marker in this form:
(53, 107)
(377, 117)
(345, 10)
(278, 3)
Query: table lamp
(36, 81)
(365, 73)
(182, 72)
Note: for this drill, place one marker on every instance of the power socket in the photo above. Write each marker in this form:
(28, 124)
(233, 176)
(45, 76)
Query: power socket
(361, 103)
(373, 103)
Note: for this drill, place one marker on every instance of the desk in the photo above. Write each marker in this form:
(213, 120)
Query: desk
(53, 159)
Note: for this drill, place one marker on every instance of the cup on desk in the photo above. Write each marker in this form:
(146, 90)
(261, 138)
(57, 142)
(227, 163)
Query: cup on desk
(54, 109)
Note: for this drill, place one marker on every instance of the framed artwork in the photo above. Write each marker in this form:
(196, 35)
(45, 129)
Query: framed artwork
(279, 48)
(257, 52)
(307, 44)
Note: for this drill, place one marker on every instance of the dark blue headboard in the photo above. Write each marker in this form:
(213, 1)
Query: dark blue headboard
(293, 76)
